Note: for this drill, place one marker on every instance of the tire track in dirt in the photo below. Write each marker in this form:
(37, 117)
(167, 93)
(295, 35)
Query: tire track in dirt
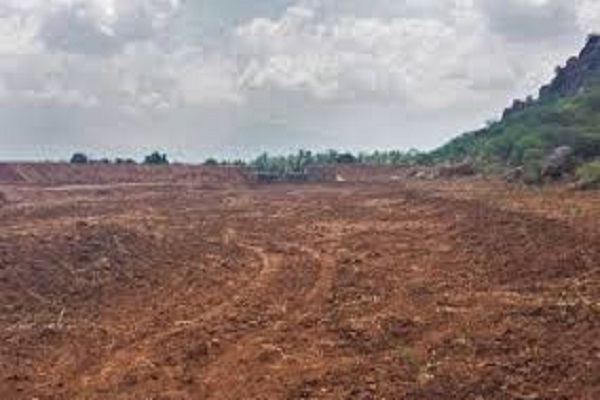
(249, 343)
(384, 293)
(136, 354)
(263, 353)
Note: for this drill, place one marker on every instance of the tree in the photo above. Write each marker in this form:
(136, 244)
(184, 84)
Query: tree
(211, 162)
(122, 161)
(156, 158)
(345, 158)
(79, 158)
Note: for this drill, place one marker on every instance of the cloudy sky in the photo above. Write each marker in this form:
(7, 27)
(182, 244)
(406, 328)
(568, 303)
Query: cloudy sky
(235, 77)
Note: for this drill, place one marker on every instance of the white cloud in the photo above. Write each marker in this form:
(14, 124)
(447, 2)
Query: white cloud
(239, 73)
(421, 62)
(588, 14)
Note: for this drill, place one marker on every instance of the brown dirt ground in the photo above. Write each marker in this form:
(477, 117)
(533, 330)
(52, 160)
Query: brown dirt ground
(398, 290)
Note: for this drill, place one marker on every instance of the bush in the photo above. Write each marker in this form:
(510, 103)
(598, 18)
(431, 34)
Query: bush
(589, 174)
(532, 166)
(127, 161)
(156, 158)
(211, 162)
(79, 158)
(346, 158)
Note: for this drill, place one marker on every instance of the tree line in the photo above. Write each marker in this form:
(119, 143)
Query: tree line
(155, 158)
(284, 164)
(303, 159)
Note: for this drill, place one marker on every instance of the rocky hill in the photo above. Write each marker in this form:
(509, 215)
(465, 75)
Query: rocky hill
(566, 113)
(578, 73)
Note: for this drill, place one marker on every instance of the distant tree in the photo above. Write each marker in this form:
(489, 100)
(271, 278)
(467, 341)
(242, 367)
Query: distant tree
(490, 123)
(211, 162)
(346, 158)
(156, 158)
(79, 158)
(122, 161)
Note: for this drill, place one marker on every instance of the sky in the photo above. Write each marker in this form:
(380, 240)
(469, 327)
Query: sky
(232, 78)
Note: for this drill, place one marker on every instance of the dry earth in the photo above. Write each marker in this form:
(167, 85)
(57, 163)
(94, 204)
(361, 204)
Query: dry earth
(354, 290)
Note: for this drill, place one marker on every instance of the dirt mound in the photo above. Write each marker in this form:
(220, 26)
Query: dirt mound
(67, 174)
(8, 174)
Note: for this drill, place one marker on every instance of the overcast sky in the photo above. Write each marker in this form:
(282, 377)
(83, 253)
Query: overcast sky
(235, 77)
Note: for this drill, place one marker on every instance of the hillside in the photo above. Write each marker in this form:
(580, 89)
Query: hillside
(565, 113)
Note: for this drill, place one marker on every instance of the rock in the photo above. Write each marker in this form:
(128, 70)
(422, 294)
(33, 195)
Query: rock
(423, 174)
(578, 73)
(518, 105)
(514, 175)
(583, 186)
(464, 168)
(3, 199)
(558, 163)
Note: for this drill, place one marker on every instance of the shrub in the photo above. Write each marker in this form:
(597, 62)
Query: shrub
(589, 174)
(532, 166)
(156, 158)
(346, 158)
(211, 162)
(127, 161)
(79, 158)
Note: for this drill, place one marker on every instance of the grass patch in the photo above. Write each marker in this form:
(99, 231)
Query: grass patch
(589, 174)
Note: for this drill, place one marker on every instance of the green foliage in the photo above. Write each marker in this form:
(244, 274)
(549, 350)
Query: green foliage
(211, 162)
(406, 354)
(298, 163)
(532, 166)
(156, 158)
(542, 126)
(346, 158)
(589, 173)
(79, 158)
(125, 161)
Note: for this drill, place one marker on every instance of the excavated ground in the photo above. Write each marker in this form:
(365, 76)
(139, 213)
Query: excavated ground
(444, 290)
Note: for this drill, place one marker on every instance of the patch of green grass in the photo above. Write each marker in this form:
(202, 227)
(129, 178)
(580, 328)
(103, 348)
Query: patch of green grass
(589, 173)
(406, 354)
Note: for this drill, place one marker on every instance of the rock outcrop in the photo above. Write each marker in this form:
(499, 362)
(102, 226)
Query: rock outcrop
(465, 168)
(558, 163)
(577, 74)
(573, 78)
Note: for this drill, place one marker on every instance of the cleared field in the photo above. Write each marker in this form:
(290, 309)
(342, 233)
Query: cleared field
(437, 290)
(56, 174)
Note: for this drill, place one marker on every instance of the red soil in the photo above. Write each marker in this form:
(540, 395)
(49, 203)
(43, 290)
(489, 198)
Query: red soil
(452, 290)
(50, 174)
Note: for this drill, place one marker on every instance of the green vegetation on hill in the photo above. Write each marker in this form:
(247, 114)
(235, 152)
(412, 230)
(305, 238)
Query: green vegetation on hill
(589, 174)
(567, 113)
(572, 121)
